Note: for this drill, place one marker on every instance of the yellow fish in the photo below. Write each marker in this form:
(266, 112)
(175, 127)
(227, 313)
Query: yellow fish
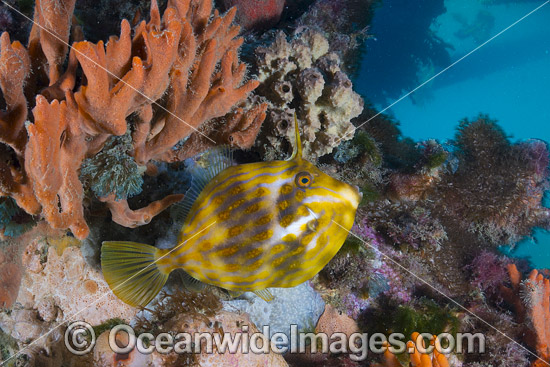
(249, 227)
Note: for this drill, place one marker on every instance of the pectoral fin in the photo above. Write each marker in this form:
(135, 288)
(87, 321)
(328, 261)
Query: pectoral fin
(191, 283)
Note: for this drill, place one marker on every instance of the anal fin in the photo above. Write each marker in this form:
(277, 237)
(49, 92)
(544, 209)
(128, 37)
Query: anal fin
(264, 294)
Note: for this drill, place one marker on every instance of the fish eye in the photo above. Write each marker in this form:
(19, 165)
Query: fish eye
(304, 179)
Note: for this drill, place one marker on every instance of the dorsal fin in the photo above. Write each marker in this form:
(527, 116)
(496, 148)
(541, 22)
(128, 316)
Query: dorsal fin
(297, 153)
(204, 168)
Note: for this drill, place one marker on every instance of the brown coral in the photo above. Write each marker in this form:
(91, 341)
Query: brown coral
(184, 63)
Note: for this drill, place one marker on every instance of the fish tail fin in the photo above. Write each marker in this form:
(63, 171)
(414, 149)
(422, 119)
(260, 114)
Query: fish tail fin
(132, 271)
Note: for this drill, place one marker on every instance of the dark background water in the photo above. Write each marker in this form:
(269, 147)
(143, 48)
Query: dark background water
(507, 78)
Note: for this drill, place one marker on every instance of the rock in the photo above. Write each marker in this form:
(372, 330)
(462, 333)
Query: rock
(77, 289)
(300, 306)
(225, 323)
(256, 14)
(104, 356)
(332, 321)
(303, 77)
(10, 278)
(57, 288)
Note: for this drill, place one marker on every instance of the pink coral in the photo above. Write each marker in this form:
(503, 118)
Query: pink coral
(489, 271)
(396, 287)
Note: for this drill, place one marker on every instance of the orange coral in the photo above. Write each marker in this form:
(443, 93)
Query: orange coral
(417, 359)
(535, 306)
(187, 57)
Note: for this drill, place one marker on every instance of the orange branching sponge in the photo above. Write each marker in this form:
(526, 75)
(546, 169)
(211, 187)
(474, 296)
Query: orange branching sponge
(55, 16)
(173, 74)
(15, 68)
(540, 315)
(56, 148)
(123, 215)
(531, 301)
(416, 359)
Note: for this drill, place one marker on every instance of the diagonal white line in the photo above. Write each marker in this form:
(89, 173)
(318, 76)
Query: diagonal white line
(71, 317)
(440, 292)
(444, 70)
(106, 70)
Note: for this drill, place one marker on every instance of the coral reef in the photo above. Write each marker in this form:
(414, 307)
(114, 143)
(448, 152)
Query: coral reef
(438, 211)
(344, 23)
(498, 187)
(191, 313)
(444, 204)
(100, 138)
(186, 57)
(305, 78)
(113, 171)
(424, 314)
(105, 356)
(488, 270)
(416, 358)
(332, 321)
(531, 302)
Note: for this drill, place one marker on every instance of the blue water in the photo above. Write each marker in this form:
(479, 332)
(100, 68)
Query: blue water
(507, 78)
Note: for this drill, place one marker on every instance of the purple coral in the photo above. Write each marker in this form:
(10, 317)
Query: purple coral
(416, 228)
(354, 305)
(394, 284)
(6, 19)
(535, 153)
(489, 271)
(366, 232)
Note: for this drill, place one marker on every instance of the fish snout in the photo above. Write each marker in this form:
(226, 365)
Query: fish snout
(353, 195)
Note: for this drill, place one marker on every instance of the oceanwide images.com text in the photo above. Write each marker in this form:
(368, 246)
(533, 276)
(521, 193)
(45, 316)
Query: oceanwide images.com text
(80, 339)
